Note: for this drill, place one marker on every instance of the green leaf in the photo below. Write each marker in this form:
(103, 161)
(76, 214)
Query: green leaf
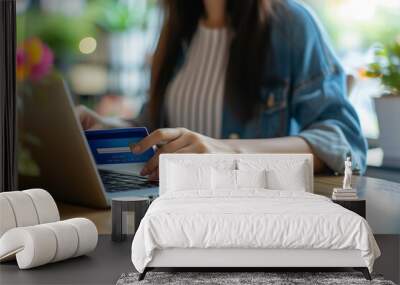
(387, 66)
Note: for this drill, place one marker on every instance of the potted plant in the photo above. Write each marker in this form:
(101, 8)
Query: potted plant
(386, 67)
(34, 63)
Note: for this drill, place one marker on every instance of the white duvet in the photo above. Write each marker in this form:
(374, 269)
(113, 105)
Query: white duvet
(250, 219)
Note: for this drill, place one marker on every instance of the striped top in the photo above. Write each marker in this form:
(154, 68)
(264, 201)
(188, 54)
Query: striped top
(194, 98)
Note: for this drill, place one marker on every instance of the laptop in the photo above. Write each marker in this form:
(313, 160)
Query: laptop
(118, 167)
(87, 170)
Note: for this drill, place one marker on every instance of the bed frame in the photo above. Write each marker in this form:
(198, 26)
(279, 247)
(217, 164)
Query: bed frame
(242, 259)
(259, 259)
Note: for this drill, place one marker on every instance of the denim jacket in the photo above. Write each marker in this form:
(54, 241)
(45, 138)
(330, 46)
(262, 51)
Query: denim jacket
(309, 99)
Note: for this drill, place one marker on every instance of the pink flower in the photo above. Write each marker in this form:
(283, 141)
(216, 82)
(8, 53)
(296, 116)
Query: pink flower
(21, 57)
(34, 60)
(40, 70)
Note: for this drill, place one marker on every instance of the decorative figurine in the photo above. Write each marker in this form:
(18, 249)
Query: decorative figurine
(347, 174)
(346, 192)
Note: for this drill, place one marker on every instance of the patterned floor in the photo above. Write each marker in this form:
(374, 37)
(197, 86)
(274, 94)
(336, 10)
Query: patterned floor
(233, 278)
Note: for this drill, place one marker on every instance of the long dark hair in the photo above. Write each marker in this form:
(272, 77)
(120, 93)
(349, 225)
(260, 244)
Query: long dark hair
(248, 20)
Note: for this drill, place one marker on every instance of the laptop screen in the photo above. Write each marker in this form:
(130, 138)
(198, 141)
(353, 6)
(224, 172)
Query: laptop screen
(110, 148)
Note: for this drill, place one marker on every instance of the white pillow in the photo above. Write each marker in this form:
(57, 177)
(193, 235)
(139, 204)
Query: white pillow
(183, 177)
(251, 178)
(281, 174)
(223, 179)
(227, 179)
(294, 179)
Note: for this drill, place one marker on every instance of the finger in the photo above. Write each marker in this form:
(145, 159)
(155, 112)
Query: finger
(95, 126)
(188, 149)
(171, 147)
(80, 111)
(87, 118)
(157, 137)
(87, 122)
(154, 175)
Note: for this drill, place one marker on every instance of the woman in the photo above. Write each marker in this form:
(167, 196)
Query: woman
(246, 76)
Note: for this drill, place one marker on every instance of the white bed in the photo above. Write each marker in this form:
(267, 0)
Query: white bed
(210, 226)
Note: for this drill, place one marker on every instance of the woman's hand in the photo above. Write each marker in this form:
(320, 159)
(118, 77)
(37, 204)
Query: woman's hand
(176, 140)
(91, 120)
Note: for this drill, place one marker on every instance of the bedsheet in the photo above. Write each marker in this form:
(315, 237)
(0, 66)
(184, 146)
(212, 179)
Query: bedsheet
(250, 219)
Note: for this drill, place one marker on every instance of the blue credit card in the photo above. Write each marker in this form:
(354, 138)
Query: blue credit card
(112, 146)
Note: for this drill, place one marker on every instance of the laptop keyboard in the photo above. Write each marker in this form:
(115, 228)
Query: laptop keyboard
(117, 182)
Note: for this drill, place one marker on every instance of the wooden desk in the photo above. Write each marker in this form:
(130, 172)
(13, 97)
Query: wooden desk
(101, 218)
(383, 204)
(382, 196)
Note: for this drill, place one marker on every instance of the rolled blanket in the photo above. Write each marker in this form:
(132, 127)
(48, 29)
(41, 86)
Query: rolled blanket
(26, 208)
(41, 244)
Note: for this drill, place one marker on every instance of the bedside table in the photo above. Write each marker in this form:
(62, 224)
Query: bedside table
(356, 206)
(127, 212)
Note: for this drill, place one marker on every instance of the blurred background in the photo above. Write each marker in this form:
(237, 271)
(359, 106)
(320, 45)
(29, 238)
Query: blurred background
(103, 48)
